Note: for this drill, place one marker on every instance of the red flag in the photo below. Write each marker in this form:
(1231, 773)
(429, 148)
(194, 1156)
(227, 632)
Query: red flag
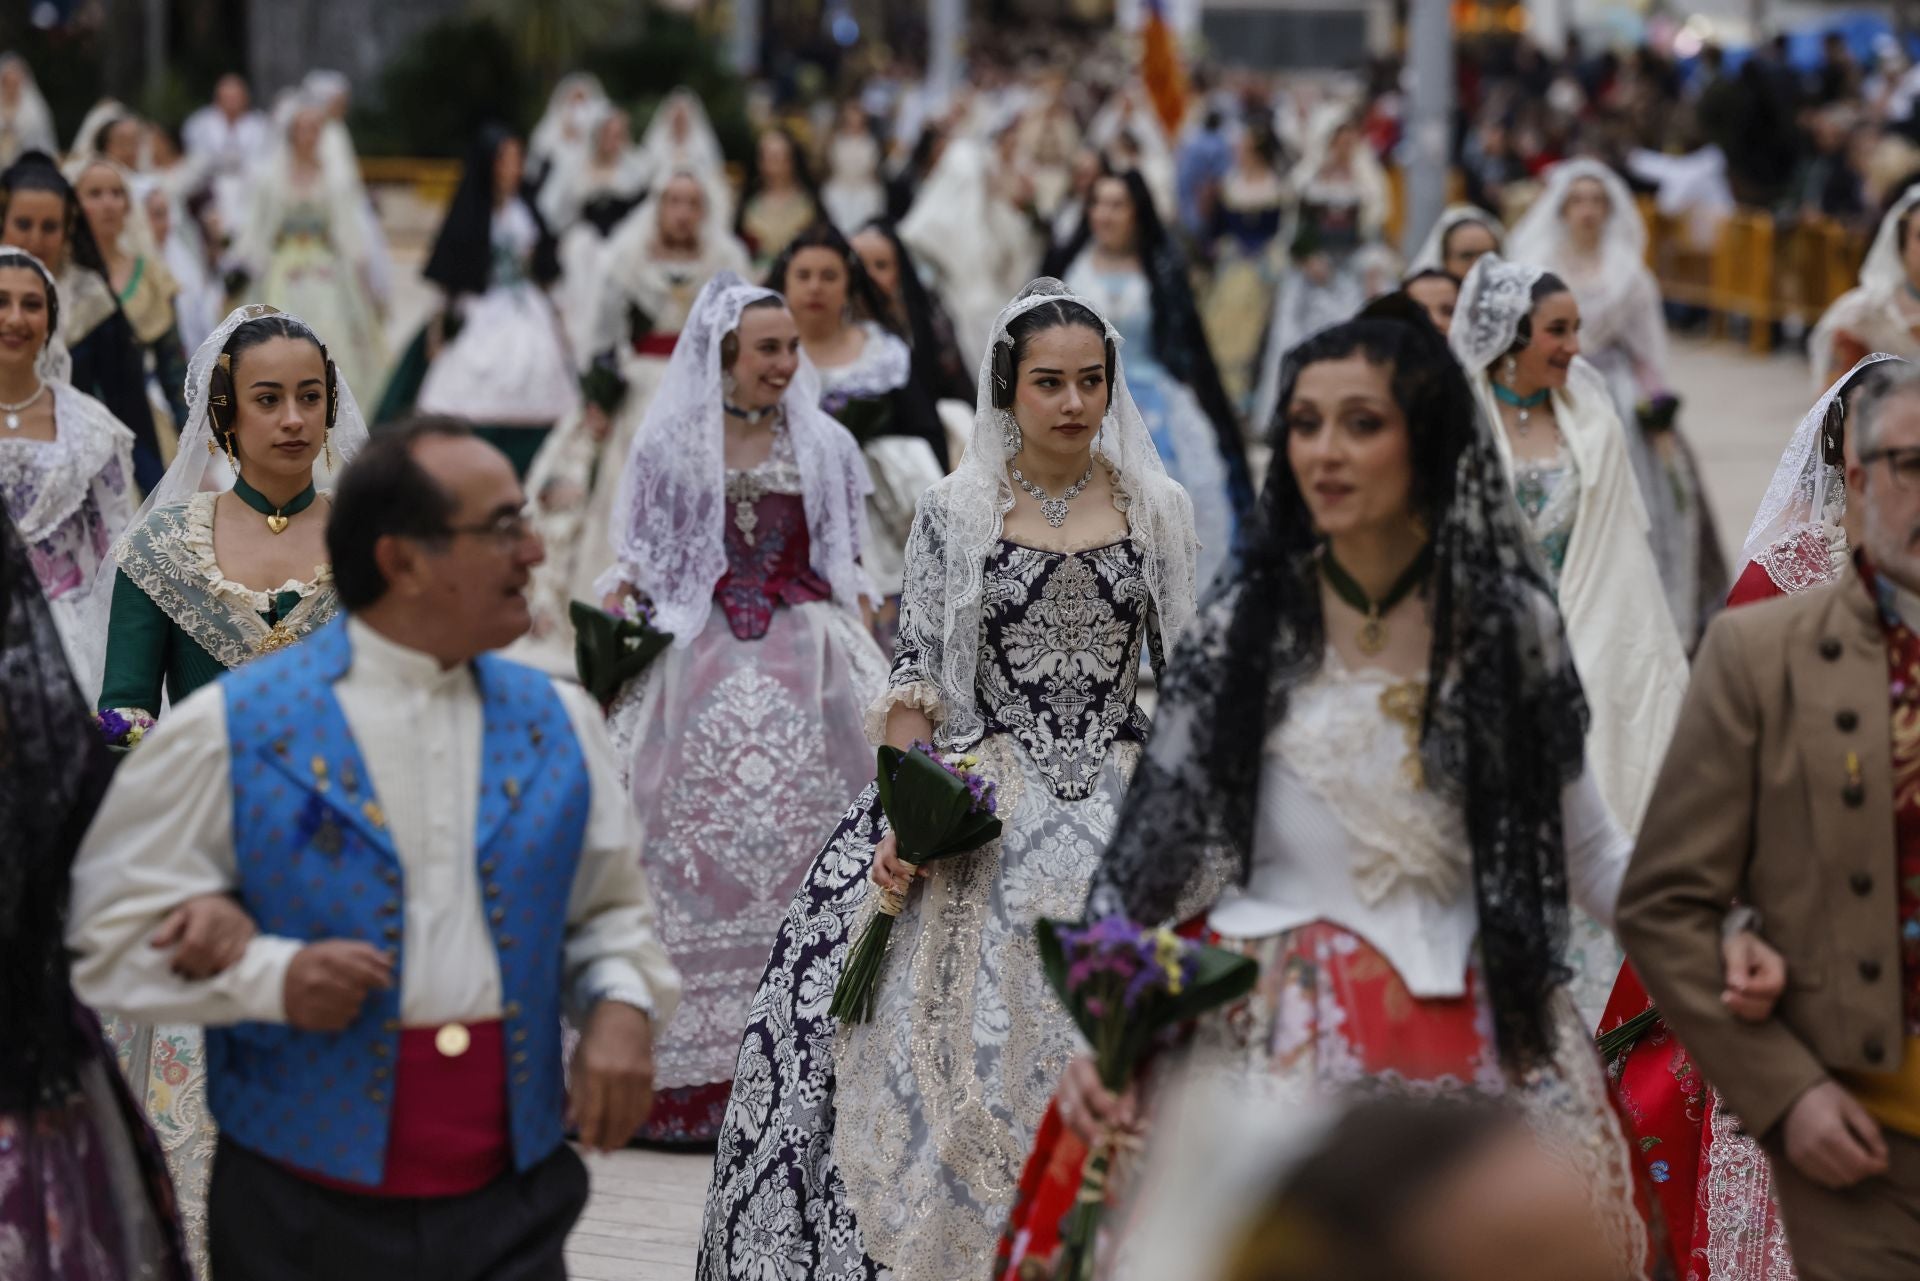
(1161, 69)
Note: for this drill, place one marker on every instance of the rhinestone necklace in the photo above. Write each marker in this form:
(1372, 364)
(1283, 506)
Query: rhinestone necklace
(1054, 509)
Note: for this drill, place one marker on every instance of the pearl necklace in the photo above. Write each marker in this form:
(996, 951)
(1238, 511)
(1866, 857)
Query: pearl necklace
(13, 411)
(1054, 509)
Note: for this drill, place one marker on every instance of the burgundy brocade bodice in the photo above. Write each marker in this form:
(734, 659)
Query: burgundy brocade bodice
(768, 553)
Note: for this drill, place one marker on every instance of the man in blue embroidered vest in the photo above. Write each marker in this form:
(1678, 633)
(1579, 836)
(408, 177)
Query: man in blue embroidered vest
(440, 858)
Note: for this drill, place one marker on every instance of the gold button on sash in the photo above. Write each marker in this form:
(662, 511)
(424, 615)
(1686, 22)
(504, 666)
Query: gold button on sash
(452, 1040)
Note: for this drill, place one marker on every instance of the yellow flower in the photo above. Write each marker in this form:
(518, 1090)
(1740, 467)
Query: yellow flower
(135, 734)
(1166, 950)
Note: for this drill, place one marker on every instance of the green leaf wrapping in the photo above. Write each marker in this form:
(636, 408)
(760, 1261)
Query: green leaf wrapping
(608, 652)
(932, 817)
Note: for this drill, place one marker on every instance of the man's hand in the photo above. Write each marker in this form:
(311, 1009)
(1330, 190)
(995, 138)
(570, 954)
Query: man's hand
(328, 981)
(209, 935)
(612, 1081)
(1756, 976)
(1832, 1139)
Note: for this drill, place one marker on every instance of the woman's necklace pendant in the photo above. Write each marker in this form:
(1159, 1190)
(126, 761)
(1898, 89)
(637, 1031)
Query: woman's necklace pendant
(1373, 634)
(13, 422)
(276, 523)
(1055, 510)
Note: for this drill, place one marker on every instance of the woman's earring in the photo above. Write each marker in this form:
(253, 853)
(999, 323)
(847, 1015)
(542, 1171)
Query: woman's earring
(727, 384)
(1513, 367)
(1010, 438)
(327, 439)
(233, 459)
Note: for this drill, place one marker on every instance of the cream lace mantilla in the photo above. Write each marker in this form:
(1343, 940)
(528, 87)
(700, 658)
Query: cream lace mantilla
(1352, 738)
(170, 558)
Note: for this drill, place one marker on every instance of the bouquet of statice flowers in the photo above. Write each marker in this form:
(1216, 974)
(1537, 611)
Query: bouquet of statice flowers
(1125, 985)
(938, 808)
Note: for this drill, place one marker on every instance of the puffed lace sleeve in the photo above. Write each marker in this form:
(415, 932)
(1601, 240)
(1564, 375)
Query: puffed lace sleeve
(914, 680)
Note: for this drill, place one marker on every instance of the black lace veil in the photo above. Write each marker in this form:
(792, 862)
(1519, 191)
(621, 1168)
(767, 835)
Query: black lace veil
(1505, 718)
(53, 772)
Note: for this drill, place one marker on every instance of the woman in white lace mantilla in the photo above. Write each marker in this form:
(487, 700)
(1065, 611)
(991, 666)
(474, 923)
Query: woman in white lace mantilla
(66, 463)
(226, 561)
(1882, 312)
(1586, 229)
(739, 528)
(1367, 773)
(653, 267)
(1039, 573)
(1517, 332)
(589, 194)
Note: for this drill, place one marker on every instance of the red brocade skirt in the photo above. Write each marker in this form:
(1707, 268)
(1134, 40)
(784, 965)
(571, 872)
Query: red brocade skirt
(1709, 1180)
(1330, 1013)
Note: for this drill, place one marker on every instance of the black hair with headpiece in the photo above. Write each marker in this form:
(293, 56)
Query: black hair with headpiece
(223, 400)
(20, 258)
(1179, 342)
(1028, 325)
(1504, 722)
(462, 259)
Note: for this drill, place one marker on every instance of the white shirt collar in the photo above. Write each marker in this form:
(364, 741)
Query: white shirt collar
(382, 659)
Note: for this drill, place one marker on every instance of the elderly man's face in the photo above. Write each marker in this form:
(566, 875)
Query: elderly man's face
(1885, 481)
(474, 584)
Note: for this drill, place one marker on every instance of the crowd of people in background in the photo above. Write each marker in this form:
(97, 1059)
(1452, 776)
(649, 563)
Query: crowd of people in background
(778, 406)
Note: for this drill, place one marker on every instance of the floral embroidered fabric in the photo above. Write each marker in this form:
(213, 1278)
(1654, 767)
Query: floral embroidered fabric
(768, 547)
(892, 1148)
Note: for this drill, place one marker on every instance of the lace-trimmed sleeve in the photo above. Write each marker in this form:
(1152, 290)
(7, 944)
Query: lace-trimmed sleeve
(914, 680)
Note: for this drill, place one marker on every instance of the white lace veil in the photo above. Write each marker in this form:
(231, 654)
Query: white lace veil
(136, 237)
(1494, 298)
(55, 362)
(1792, 535)
(1541, 237)
(31, 122)
(699, 151)
(563, 115)
(198, 466)
(960, 519)
(669, 522)
(629, 252)
(267, 196)
(1882, 272)
(1432, 255)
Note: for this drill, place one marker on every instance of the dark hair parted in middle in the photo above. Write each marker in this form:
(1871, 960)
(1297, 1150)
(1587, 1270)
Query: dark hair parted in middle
(223, 394)
(862, 294)
(1025, 327)
(1544, 288)
(383, 491)
(730, 341)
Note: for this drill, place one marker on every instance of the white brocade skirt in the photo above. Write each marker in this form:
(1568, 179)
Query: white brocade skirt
(509, 363)
(740, 756)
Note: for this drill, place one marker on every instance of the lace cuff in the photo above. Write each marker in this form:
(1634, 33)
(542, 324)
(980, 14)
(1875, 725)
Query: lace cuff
(919, 695)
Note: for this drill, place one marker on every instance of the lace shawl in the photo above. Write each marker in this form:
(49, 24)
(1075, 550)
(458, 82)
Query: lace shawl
(58, 477)
(169, 556)
(1433, 250)
(1500, 675)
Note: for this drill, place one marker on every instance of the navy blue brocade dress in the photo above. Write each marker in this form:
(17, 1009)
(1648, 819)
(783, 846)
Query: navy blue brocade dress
(892, 1148)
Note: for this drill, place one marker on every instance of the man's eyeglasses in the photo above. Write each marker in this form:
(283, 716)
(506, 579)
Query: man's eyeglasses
(506, 531)
(1904, 464)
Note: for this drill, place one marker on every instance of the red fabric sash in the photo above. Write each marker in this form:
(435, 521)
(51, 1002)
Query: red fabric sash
(448, 1135)
(660, 345)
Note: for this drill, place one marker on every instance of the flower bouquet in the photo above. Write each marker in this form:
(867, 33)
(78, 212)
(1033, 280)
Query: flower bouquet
(123, 727)
(1125, 984)
(937, 807)
(611, 649)
(1658, 414)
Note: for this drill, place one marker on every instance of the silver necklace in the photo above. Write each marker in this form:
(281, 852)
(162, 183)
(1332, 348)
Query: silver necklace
(13, 411)
(1054, 509)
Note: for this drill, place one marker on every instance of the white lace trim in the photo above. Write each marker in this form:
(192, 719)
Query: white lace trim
(883, 365)
(61, 471)
(1349, 752)
(920, 695)
(199, 528)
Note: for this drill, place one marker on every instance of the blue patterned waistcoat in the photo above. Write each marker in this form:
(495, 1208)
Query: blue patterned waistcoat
(316, 861)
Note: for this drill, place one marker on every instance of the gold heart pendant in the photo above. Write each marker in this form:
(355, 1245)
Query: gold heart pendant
(278, 524)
